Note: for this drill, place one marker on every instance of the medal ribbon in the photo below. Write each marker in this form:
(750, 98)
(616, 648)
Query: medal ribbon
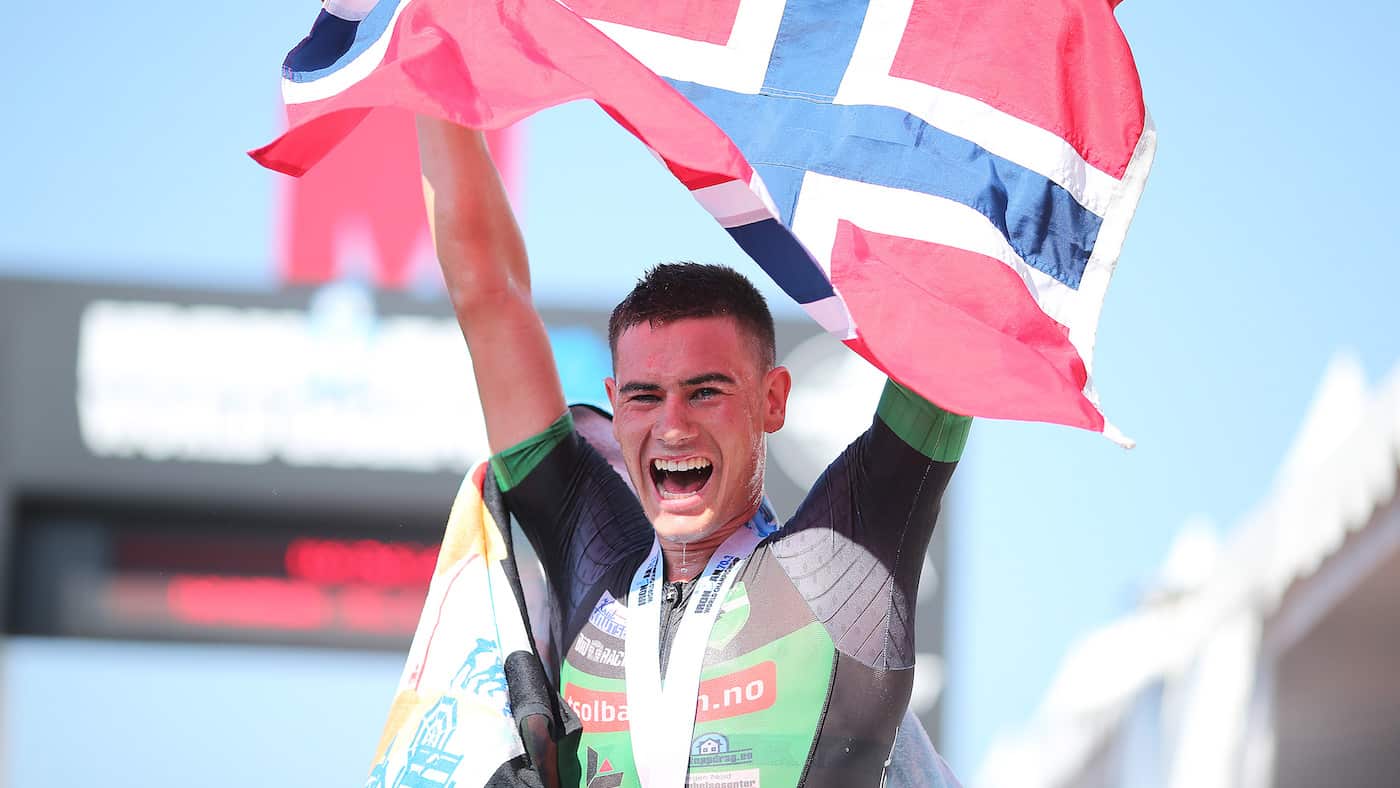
(661, 715)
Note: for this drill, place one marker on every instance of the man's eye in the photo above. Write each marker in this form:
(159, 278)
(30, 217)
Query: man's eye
(644, 399)
(705, 393)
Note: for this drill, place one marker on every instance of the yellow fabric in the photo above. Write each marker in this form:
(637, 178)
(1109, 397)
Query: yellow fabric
(471, 531)
(470, 527)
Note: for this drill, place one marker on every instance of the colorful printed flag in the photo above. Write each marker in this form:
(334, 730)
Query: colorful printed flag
(944, 185)
(474, 705)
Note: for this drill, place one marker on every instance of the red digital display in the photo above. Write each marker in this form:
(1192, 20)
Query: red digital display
(265, 603)
(337, 589)
(256, 584)
(366, 561)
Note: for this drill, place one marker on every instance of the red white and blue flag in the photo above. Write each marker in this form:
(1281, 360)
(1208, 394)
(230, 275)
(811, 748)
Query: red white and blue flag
(944, 185)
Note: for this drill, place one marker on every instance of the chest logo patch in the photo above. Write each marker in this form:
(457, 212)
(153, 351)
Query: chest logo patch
(601, 775)
(609, 616)
(598, 651)
(712, 749)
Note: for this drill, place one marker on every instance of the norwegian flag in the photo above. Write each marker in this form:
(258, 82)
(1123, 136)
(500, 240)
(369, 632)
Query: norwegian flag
(944, 185)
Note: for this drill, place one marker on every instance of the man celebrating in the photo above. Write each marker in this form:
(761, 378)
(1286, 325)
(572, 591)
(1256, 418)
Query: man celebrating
(700, 642)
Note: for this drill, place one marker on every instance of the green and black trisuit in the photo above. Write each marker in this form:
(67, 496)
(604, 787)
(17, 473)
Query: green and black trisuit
(809, 665)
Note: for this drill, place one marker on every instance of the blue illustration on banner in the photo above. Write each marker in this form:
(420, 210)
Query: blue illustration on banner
(378, 773)
(430, 764)
(483, 674)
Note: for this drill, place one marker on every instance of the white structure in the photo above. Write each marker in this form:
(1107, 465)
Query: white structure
(1272, 661)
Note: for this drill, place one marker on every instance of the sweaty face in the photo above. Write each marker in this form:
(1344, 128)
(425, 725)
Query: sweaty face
(691, 407)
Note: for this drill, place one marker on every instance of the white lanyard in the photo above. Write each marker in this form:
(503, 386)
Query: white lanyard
(661, 716)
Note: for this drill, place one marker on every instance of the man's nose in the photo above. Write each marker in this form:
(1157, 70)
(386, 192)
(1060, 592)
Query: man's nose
(674, 426)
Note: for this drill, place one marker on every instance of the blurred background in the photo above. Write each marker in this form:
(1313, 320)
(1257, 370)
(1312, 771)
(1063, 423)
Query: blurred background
(234, 410)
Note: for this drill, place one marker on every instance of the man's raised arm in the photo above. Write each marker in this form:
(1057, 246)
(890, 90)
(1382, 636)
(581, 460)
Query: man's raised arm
(488, 278)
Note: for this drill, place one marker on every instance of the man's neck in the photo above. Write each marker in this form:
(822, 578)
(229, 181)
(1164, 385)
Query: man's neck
(685, 561)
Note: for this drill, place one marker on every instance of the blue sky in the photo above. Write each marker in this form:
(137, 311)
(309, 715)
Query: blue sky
(1263, 244)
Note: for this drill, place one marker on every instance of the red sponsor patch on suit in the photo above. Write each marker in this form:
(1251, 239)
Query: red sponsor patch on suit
(731, 695)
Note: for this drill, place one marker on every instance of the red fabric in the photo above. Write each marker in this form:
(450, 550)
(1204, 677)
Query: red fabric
(487, 65)
(710, 21)
(967, 335)
(1062, 66)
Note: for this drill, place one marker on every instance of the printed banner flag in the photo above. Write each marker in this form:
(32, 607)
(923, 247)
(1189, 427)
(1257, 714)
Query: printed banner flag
(944, 185)
(474, 705)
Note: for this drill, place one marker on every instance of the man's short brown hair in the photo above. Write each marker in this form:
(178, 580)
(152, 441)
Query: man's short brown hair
(676, 291)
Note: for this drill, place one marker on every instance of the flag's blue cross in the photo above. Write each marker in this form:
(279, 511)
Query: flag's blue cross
(792, 127)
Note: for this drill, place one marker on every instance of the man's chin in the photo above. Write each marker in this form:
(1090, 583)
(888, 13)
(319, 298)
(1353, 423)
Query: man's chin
(683, 529)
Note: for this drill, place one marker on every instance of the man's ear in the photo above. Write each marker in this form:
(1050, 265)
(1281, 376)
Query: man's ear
(777, 387)
(610, 385)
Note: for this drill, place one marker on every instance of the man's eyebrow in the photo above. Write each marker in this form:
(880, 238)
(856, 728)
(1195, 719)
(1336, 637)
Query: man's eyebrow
(632, 387)
(709, 377)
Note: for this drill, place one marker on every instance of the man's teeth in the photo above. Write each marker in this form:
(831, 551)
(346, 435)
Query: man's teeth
(691, 464)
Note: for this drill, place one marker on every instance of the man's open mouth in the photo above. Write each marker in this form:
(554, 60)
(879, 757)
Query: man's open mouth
(679, 478)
